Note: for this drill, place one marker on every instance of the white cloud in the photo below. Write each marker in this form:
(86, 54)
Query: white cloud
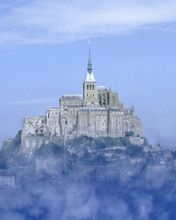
(51, 21)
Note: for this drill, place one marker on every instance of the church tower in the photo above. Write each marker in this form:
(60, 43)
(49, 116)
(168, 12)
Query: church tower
(90, 86)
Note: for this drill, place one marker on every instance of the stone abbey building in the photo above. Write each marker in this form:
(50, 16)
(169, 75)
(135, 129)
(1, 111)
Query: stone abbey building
(98, 112)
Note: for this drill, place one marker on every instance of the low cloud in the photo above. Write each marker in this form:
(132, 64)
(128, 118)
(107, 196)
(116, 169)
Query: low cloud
(59, 185)
(54, 21)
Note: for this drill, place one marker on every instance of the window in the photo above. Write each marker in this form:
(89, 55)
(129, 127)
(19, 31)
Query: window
(104, 99)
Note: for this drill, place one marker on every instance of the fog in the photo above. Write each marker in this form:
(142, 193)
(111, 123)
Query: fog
(69, 187)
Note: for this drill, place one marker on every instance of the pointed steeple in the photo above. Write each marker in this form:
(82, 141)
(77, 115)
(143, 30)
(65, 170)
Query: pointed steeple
(89, 66)
(90, 77)
(90, 95)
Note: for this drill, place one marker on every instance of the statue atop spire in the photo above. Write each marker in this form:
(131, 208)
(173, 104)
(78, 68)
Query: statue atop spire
(89, 67)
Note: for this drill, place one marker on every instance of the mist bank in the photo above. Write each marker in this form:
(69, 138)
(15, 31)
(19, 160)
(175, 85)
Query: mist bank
(88, 179)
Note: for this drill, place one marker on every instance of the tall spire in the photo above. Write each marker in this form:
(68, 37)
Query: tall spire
(90, 77)
(89, 66)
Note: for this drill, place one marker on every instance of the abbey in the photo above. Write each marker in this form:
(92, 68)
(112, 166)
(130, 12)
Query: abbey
(98, 112)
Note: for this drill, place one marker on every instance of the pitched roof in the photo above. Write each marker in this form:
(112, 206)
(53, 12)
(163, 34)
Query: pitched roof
(90, 77)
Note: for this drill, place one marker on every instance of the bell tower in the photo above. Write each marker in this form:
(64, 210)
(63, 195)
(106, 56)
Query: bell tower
(90, 86)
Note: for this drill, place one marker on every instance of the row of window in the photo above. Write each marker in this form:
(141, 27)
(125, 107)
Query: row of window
(90, 94)
(90, 87)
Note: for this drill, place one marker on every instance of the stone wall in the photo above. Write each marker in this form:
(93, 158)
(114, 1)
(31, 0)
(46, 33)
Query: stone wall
(68, 123)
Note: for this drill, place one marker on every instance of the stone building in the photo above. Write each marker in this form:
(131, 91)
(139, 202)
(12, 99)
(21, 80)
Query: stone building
(98, 112)
(7, 178)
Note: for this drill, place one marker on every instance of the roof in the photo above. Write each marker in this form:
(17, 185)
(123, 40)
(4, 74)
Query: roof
(7, 172)
(101, 87)
(99, 108)
(72, 96)
(90, 77)
(68, 95)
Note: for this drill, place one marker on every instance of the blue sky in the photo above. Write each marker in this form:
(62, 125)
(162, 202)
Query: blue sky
(44, 51)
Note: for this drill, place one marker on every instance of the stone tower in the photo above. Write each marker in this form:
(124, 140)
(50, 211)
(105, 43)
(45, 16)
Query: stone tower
(90, 96)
